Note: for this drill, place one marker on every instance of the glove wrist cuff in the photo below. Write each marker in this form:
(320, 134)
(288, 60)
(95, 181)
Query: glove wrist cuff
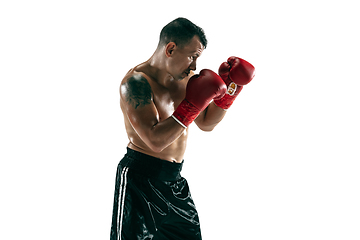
(185, 113)
(225, 102)
(228, 99)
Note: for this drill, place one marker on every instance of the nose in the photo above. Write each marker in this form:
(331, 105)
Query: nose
(193, 65)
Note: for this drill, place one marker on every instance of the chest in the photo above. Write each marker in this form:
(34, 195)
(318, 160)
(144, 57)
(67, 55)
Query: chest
(167, 100)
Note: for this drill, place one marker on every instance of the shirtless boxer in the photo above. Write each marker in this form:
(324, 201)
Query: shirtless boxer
(160, 98)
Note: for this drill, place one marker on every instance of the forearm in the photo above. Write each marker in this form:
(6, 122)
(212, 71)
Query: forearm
(210, 117)
(163, 133)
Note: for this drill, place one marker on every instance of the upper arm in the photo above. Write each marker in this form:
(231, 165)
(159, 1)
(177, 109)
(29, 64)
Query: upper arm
(137, 101)
(136, 91)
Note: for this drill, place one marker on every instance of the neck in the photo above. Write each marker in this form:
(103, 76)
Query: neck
(157, 67)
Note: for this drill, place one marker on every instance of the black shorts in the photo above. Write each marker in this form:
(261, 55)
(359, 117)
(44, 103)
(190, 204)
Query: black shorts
(152, 201)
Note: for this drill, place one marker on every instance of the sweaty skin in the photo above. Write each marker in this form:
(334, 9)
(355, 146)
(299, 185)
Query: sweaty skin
(163, 103)
(149, 94)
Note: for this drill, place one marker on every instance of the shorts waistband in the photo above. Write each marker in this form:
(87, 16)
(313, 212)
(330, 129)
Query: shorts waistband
(150, 166)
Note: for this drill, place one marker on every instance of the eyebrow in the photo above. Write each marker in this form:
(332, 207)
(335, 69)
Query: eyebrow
(195, 53)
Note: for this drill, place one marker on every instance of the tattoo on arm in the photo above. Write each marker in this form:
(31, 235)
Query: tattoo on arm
(137, 91)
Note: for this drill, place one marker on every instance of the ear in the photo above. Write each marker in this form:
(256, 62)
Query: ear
(170, 48)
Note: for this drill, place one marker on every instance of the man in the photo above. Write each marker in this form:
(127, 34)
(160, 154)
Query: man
(160, 98)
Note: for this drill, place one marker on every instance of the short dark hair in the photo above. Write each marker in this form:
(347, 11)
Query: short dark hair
(181, 31)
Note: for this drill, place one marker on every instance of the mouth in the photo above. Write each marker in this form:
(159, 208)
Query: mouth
(185, 74)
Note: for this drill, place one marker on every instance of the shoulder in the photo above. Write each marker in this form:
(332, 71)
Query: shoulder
(135, 79)
(135, 89)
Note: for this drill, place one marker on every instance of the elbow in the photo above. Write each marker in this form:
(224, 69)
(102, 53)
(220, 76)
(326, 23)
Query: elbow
(156, 149)
(156, 146)
(206, 128)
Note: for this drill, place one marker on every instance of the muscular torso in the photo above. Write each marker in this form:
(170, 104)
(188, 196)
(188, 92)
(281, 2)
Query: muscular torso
(165, 99)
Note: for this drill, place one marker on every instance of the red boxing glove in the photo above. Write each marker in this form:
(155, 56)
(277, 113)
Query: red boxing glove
(236, 72)
(200, 90)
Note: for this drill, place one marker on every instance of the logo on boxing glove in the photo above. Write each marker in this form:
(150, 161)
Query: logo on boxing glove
(231, 89)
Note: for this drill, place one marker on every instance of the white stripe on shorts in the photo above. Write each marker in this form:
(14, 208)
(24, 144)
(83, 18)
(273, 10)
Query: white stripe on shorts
(121, 200)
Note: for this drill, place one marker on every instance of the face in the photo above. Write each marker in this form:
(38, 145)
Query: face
(182, 60)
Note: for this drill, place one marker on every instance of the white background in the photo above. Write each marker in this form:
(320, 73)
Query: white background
(283, 164)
